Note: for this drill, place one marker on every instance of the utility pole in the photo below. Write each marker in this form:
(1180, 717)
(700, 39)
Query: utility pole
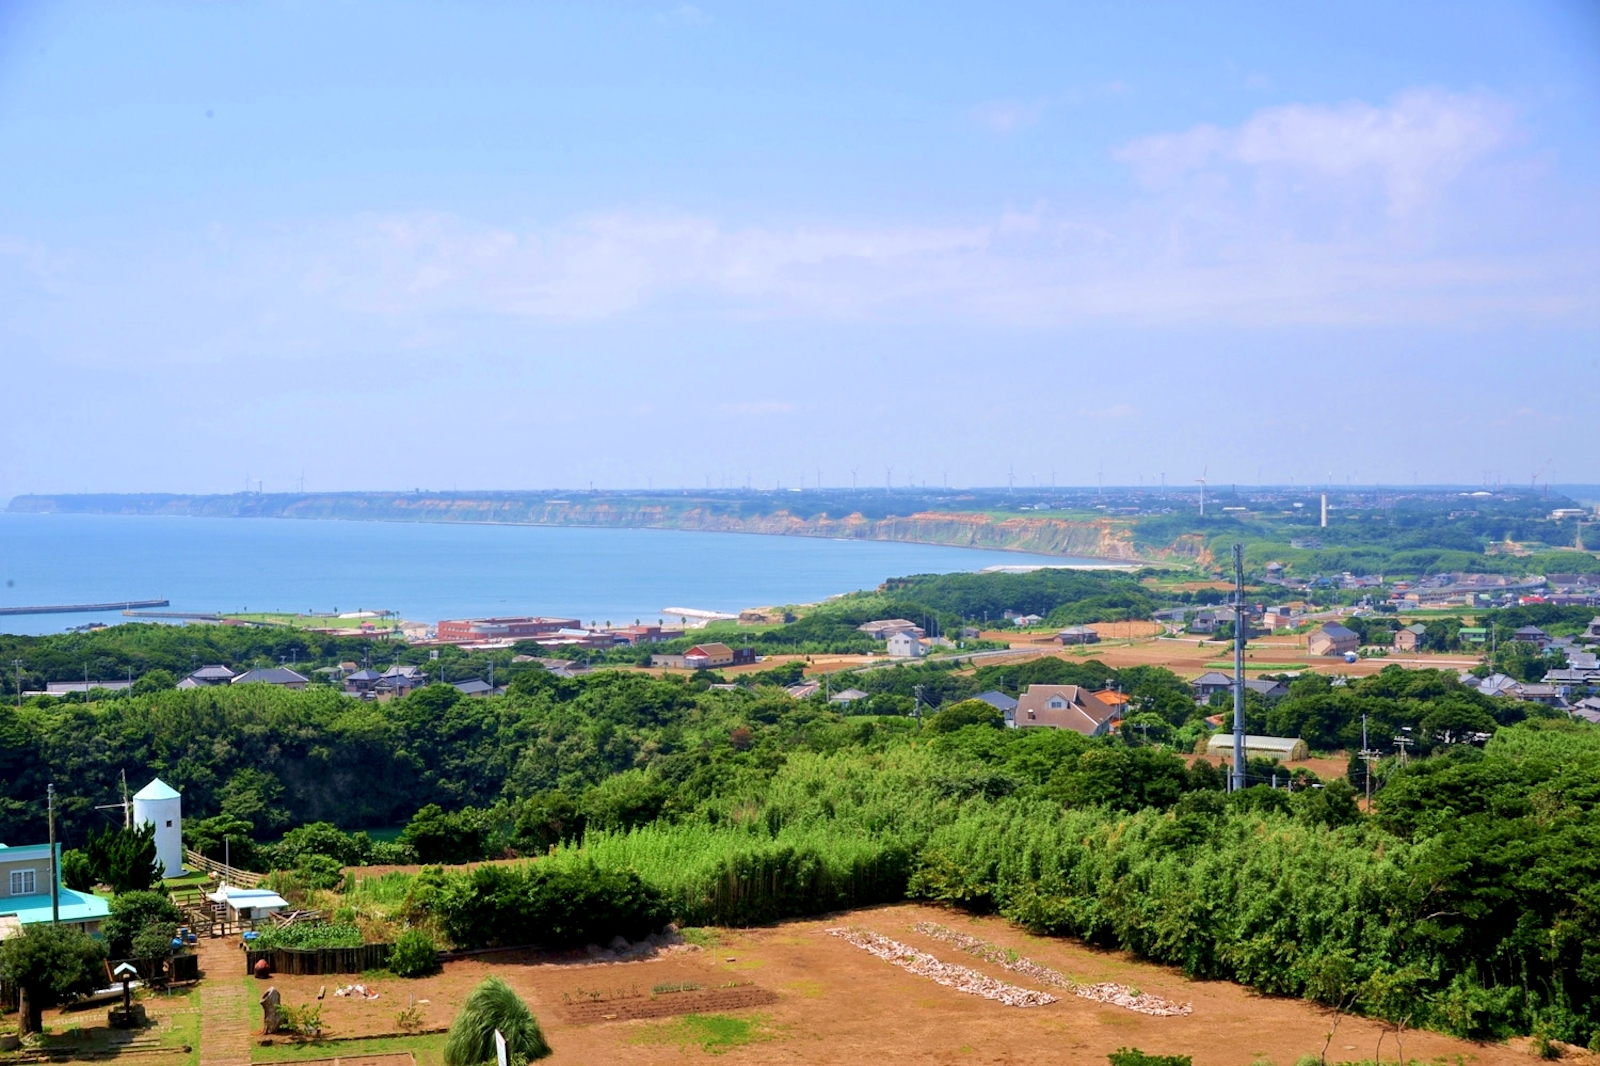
(1238, 667)
(1369, 757)
(55, 872)
(18, 664)
(918, 690)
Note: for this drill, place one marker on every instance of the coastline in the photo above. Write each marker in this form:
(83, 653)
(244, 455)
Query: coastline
(1097, 544)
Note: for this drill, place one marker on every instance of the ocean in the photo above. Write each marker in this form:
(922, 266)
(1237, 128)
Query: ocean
(430, 571)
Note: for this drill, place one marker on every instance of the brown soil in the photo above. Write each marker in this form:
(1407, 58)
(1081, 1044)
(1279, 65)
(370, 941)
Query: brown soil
(826, 1001)
(665, 1005)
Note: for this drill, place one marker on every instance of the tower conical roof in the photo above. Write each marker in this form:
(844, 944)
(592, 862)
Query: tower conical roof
(156, 790)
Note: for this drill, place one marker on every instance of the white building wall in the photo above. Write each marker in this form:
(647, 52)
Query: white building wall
(167, 816)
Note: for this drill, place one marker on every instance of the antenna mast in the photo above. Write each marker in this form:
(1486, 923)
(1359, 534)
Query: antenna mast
(1238, 667)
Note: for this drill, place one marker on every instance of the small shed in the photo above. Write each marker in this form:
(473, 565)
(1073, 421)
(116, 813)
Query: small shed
(1283, 749)
(1078, 635)
(248, 904)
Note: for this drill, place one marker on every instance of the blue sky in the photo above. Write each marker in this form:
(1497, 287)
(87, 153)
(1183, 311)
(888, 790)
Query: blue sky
(516, 245)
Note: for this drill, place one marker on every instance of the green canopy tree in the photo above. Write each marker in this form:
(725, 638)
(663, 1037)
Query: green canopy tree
(49, 965)
(125, 859)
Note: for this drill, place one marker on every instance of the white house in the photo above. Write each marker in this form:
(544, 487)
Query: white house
(904, 645)
(159, 804)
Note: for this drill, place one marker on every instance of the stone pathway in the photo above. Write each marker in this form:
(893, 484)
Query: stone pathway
(227, 1025)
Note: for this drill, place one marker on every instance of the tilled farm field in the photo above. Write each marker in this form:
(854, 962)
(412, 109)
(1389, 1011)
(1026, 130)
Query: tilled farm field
(898, 984)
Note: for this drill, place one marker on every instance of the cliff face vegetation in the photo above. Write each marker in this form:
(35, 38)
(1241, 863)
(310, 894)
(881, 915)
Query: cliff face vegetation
(1103, 538)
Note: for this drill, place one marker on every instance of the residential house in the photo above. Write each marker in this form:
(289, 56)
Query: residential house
(209, 677)
(361, 682)
(473, 686)
(1549, 695)
(1472, 635)
(25, 893)
(1213, 619)
(1531, 635)
(1027, 621)
(1002, 703)
(1500, 685)
(272, 675)
(804, 689)
(1078, 635)
(904, 645)
(1209, 683)
(884, 628)
(1266, 688)
(1332, 639)
(1277, 618)
(1593, 632)
(399, 680)
(1062, 707)
(708, 656)
(847, 697)
(1117, 701)
(1411, 637)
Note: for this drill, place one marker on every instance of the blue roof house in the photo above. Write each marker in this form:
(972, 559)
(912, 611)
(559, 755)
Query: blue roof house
(25, 893)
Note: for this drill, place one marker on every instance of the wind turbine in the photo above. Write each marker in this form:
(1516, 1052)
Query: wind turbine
(853, 470)
(888, 478)
(1202, 480)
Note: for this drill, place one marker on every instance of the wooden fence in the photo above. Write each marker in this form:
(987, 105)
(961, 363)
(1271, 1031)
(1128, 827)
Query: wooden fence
(231, 874)
(310, 961)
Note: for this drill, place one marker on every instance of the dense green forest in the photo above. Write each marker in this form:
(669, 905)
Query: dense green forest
(1467, 901)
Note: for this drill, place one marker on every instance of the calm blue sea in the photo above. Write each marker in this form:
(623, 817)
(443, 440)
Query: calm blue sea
(432, 571)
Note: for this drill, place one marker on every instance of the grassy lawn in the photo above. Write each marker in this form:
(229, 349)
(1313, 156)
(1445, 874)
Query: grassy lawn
(712, 1033)
(1228, 663)
(428, 1049)
(305, 621)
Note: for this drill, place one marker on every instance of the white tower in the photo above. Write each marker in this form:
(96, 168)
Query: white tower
(160, 805)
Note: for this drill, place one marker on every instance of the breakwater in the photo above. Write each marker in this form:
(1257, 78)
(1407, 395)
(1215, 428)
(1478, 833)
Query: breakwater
(86, 608)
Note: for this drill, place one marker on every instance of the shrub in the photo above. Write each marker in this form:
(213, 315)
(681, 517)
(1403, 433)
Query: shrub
(1132, 1056)
(414, 955)
(554, 906)
(132, 913)
(491, 1006)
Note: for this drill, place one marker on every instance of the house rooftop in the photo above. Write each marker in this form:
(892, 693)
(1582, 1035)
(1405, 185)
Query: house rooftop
(74, 906)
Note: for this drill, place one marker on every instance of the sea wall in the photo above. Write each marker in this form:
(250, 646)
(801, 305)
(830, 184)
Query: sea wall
(1101, 539)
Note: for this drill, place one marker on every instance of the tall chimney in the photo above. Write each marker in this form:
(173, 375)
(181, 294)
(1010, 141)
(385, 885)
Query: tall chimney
(1324, 510)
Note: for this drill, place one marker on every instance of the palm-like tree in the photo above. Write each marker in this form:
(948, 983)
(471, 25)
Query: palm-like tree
(493, 1005)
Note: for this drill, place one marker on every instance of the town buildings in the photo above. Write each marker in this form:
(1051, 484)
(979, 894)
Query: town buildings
(471, 630)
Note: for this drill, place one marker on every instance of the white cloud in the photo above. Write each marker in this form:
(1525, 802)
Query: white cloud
(1004, 116)
(683, 15)
(1298, 215)
(1413, 147)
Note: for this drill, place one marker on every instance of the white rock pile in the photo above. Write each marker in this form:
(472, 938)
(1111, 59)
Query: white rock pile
(959, 978)
(1114, 994)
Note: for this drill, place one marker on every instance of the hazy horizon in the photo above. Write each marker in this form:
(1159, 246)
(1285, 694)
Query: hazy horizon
(656, 244)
